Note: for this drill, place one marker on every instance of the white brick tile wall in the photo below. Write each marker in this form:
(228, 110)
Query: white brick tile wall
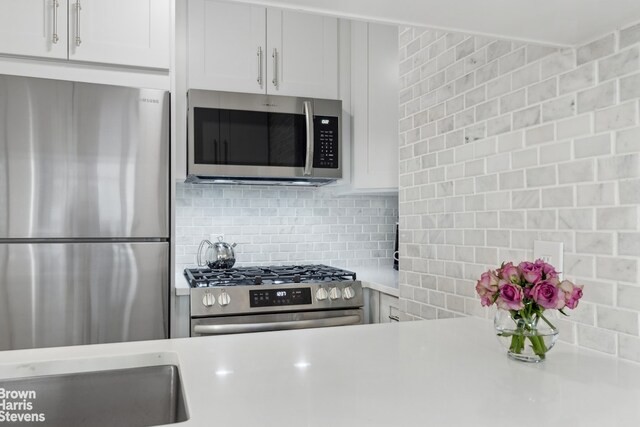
(596, 194)
(629, 191)
(616, 117)
(580, 78)
(618, 320)
(593, 146)
(597, 339)
(542, 91)
(629, 347)
(628, 243)
(275, 225)
(600, 96)
(620, 64)
(572, 127)
(629, 36)
(597, 49)
(505, 143)
(558, 63)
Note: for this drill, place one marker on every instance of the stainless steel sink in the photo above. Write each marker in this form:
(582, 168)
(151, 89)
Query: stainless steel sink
(142, 396)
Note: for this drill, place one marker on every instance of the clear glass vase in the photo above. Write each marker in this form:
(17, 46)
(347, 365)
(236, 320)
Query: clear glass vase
(526, 338)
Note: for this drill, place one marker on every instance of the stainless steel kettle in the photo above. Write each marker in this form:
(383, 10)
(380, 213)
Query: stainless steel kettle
(218, 255)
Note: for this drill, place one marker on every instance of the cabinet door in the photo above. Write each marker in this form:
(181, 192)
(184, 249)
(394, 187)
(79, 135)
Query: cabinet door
(27, 27)
(302, 54)
(371, 305)
(121, 32)
(388, 308)
(227, 48)
(374, 103)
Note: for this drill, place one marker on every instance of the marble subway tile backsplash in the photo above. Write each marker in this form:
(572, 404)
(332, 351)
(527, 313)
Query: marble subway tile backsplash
(503, 143)
(284, 225)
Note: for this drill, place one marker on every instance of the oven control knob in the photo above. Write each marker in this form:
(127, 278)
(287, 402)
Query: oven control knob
(208, 299)
(224, 299)
(335, 293)
(322, 294)
(348, 293)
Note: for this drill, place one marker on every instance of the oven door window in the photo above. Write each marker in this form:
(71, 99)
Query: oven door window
(252, 138)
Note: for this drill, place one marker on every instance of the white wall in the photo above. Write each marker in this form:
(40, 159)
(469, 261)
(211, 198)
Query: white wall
(284, 225)
(502, 144)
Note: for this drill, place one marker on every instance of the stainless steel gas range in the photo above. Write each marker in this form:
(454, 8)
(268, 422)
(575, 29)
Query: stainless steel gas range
(256, 299)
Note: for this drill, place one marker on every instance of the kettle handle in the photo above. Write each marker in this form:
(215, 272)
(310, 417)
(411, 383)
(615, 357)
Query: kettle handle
(199, 256)
(221, 238)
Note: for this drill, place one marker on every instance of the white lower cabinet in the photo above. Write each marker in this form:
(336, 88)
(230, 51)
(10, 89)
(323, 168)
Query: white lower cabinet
(388, 308)
(381, 307)
(181, 316)
(374, 107)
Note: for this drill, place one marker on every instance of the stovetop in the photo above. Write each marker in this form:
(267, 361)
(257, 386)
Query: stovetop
(272, 275)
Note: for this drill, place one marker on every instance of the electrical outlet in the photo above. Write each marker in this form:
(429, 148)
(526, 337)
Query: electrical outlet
(549, 252)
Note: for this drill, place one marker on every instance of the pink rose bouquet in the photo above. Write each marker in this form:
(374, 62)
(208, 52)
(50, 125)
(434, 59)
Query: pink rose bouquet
(526, 291)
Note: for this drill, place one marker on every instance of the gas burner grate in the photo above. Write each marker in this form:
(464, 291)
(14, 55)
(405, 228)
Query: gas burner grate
(272, 275)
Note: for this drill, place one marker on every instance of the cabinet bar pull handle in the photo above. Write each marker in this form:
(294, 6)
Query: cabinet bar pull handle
(78, 9)
(394, 318)
(260, 66)
(275, 67)
(54, 38)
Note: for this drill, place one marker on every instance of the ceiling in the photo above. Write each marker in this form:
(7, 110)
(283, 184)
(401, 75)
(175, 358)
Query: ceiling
(552, 22)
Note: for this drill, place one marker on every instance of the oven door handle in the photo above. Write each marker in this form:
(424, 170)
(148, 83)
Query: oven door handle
(276, 326)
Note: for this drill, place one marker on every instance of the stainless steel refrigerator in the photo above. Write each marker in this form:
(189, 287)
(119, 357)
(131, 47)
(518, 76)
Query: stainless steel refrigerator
(84, 213)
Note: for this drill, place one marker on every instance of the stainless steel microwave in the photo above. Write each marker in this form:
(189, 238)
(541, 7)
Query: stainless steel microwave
(252, 138)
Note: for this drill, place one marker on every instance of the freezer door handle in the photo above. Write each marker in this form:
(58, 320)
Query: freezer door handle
(276, 326)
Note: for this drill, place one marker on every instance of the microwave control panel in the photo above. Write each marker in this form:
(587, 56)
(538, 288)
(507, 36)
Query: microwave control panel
(326, 142)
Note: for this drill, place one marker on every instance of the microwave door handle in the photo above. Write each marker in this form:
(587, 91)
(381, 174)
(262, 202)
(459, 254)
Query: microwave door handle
(308, 113)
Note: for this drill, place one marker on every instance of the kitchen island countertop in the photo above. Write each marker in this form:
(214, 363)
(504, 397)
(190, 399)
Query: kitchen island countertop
(440, 373)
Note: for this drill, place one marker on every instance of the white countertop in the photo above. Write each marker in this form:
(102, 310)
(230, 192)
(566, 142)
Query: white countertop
(439, 373)
(181, 285)
(383, 279)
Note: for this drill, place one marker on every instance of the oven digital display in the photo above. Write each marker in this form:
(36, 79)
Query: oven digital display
(277, 297)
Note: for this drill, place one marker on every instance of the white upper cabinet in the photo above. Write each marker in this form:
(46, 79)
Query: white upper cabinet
(243, 48)
(227, 46)
(34, 28)
(374, 106)
(303, 54)
(120, 32)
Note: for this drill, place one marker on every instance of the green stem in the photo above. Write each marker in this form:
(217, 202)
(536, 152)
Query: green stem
(546, 321)
(527, 324)
(517, 340)
(517, 343)
(538, 345)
